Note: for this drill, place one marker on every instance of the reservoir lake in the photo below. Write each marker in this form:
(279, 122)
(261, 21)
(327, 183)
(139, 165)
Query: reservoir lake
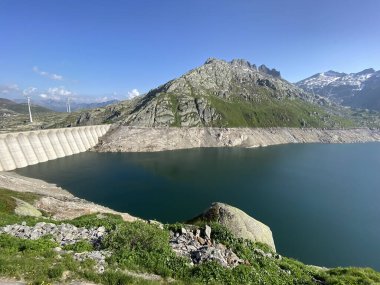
(321, 201)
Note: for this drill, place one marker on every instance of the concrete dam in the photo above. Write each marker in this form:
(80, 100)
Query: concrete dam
(27, 148)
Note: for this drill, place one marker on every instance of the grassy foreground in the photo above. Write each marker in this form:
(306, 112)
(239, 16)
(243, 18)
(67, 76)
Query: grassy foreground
(144, 248)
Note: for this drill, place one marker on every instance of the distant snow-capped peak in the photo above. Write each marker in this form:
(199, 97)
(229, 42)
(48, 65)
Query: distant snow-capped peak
(336, 79)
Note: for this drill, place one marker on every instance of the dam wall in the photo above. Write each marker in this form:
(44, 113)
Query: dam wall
(27, 148)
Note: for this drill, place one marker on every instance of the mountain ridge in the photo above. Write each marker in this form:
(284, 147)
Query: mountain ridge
(357, 90)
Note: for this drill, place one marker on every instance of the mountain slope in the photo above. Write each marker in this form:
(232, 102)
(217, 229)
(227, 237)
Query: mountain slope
(232, 94)
(60, 106)
(12, 108)
(358, 90)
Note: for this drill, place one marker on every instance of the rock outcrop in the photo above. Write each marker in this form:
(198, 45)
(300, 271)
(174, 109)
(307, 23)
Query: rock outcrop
(239, 223)
(25, 209)
(64, 234)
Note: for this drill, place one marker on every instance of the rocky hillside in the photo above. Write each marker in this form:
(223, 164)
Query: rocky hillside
(224, 94)
(235, 93)
(358, 90)
(216, 94)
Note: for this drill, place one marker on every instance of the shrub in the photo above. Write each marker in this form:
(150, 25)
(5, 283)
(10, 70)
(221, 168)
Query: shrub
(109, 221)
(80, 246)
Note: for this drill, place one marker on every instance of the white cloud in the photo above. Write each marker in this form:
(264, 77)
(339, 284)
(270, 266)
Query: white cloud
(59, 91)
(56, 94)
(52, 76)
(56, 77)
(29, 91)
(133, 93)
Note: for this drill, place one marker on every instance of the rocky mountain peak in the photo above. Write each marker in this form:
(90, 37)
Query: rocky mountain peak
(366, 71)
(243, 63)
(218, 93)
(273, 72)
(212, 60)
(332, 73)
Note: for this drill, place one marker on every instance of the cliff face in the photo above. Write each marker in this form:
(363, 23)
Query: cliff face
(131, 139)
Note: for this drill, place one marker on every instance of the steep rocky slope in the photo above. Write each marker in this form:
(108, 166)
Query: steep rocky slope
(235, 93)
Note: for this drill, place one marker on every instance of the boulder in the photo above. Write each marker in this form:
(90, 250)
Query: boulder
(25, 209)
(238, 222)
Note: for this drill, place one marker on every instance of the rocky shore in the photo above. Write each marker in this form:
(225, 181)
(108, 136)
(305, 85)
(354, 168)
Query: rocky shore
(140, 139)
(55, 201)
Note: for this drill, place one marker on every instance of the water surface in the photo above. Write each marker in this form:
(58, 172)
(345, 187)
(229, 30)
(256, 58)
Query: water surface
(321, 201)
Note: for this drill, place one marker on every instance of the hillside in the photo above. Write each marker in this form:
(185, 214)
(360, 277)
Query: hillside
(357, 90)
(12, 108)
(232, 94)
(216, 94)
(229, 94)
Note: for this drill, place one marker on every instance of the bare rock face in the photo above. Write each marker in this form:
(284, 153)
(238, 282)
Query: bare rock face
(239, 223)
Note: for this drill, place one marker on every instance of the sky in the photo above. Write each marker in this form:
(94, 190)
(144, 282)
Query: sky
(119, 49)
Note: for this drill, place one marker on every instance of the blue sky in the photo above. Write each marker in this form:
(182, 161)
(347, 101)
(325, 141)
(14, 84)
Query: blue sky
(99, 48)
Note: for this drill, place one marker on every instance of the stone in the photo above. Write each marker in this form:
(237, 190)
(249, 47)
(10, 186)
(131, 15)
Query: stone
(198, 250)
(208, 232)
(201, 240)
(238, 222)
(25, 209)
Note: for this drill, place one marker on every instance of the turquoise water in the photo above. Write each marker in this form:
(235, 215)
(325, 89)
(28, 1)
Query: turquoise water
(321, 201)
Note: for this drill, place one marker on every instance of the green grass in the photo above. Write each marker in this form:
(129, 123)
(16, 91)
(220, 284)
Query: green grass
(8, 204)
(275, 113)
(174, 105)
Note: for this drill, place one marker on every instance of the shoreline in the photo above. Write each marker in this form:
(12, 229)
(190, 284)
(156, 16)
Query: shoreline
(140, 139)
(54, 200)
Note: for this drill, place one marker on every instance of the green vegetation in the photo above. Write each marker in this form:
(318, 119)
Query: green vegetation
(174, 106)
(275, 113)
(8, 204)
(109, 221)
(144, 248)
